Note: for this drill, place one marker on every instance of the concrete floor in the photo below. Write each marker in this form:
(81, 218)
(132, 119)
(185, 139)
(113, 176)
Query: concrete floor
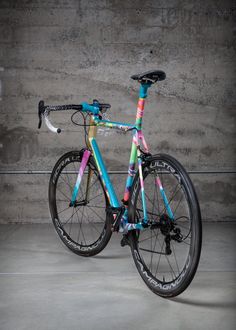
(45, 286)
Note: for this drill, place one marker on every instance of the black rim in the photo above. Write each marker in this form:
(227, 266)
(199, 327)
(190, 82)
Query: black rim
(163, 250)
(82, 226)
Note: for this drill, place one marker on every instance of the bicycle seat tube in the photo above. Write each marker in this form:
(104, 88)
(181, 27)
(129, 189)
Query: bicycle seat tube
(133, 153)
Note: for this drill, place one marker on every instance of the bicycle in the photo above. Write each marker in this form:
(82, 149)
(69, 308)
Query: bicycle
(159, 215)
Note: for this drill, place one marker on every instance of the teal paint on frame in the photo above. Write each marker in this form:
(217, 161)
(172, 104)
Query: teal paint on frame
(104, 175)
(143, 90)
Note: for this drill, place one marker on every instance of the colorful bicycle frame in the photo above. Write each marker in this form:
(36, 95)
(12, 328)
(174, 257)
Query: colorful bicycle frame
(135, 156)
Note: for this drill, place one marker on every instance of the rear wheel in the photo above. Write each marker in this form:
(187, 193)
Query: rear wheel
(167, 252)
(83, 228)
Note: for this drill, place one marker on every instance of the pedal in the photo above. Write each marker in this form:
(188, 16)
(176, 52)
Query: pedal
(124, 241)
(115, 221)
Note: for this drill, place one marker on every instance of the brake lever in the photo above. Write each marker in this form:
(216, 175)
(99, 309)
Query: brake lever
(41, 109)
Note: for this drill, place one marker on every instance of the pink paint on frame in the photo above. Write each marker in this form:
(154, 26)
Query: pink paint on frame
(158, 182)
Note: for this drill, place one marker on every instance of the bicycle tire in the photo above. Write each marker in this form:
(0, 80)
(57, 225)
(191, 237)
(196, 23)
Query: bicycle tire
(84, 229)
(157, 279)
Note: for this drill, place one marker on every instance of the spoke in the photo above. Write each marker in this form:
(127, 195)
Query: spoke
(159, 257)
(178, 204)
(150, 201)
(158, 205)
(80, 226)
(68, 199)
(97, 214)
(86, 217)
(61, 177)
(160, 253)
(148, 212)
(181, 225)
(151, 255)
(153, 201)
(91, 222)
(98, 207)
(173, 250)
(90, 227)
(76, 171)
(81, 190)
(183, 241)
(96, 196)
(97, 179)
(174, 192)
(71, 221)
(154, 250)
(63, 210)
(63, 224)
(167, 258)
(145, 239)
(69, 183)
(189, 229)
(170, 201)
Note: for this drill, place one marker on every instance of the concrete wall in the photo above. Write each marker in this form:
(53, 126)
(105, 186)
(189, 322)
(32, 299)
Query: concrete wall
(68, 51)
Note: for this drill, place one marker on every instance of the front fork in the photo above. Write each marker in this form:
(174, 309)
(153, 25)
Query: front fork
(84, 162)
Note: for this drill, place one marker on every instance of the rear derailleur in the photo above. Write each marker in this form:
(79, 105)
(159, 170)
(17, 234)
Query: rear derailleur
(169, 230)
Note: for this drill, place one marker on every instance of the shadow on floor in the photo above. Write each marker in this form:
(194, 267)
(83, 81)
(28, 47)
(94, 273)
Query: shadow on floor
(203, 303)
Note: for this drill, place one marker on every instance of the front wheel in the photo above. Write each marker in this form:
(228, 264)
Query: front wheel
(167, 252)
(85, 227)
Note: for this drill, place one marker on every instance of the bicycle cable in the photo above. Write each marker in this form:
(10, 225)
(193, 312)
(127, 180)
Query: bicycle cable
(84, 125)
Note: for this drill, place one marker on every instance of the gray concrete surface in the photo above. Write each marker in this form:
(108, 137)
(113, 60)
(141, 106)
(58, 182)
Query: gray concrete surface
(68, 51)
(45, 286)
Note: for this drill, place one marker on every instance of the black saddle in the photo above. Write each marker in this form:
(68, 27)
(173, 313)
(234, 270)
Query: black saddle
(152, 76)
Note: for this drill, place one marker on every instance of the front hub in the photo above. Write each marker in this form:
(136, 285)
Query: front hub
(78, 203)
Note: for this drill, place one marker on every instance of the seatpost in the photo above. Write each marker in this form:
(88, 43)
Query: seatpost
(141, 101)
